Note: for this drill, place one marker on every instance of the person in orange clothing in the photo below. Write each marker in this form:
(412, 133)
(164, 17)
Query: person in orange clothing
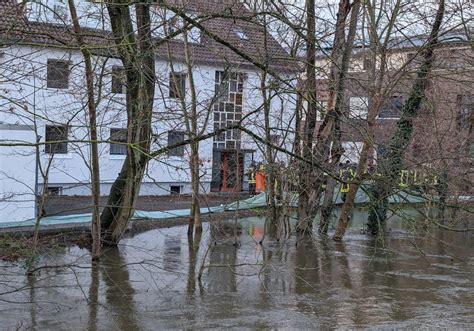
(260, 179)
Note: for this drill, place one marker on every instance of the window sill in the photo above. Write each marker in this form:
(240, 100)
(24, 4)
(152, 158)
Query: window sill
(117, 157)
(57, 156)
(56, 89)
(175, 158)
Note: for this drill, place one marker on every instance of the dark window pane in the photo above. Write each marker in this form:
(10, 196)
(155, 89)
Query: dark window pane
(233, 86)
(118, 80)
(275, 139)
(57, 136)
(229, 107)
(58, 74)
(177, 85)
(175, 137)
(238, 99)
(119, 136)
(175, 189)
(392, 108)
(465, 109)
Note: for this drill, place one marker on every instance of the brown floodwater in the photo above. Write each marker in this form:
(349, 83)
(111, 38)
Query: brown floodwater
(412, 279)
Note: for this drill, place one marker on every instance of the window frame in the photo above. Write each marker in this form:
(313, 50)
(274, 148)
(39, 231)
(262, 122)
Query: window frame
(358, 116)
(120, 142)
(53, 147)
(57, 83)
(174, 91)
(390, 104)
(177, 151)
(118, 80)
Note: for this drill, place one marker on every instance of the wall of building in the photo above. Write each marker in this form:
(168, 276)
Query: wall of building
(17, 174)
(30, 102)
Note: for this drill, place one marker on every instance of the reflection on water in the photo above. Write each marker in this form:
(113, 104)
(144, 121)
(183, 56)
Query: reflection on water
(152, 282)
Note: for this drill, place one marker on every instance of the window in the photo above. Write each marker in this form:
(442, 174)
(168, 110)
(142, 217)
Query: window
(58, 74)
(241, 34)
(54, 190)
(175, 137)
(177, 85)
(352, 151)
(60, 12)
(465, 109)
(118, 136)
(118, 80)
(171, 26)
(322, 110)
(366, 64)
(175, 189)
(392, 108)
(229, 88)
(275, 139)
(56, 139)
(358, 107)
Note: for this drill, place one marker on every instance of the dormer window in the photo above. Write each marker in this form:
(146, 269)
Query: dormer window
(241, 34)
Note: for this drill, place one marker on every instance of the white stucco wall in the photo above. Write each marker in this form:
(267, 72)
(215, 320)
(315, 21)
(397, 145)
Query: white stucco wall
(28, 101)
(17, 174)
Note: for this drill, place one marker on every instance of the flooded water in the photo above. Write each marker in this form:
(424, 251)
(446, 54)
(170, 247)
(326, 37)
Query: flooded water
(150, 282)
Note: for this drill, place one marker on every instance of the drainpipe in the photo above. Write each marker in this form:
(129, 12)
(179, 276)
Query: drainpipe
(38, 139)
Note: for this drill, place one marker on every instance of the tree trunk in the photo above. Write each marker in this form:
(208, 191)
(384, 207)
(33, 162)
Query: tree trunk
(375, 103)
(91, 105)
(331, 126)
(305, 221)
(192, 128)
(139, 62)
(392, 164)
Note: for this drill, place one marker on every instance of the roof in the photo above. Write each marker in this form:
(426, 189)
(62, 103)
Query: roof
(402, 43)
(16, 29)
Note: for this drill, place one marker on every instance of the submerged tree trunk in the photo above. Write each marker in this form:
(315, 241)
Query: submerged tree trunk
(94, 151)
(138, 59)
(375, 83)
(305, 221)
(330, 129)
(192, 128)
(392, 164)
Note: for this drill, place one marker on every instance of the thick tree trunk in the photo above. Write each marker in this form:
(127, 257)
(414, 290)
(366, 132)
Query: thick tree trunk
(392, 164)
(375, 102)
(328, 202)
(331, 126)
(305, 220)
(138, 59)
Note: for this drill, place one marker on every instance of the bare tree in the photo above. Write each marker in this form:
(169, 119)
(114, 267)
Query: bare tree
(136, 52)
(91, 105)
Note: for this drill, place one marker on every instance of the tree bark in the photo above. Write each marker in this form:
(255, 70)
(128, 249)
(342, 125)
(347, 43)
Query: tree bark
(330, 128)
(305, 221)
(94, 153)
(138, 59)
(191, 119)
(375, 102)
(392, 164)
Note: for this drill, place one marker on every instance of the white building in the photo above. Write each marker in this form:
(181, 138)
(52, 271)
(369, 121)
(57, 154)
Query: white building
(43, 97)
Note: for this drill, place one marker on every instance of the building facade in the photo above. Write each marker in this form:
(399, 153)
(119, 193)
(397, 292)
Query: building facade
(442, 138)
(44, 99)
